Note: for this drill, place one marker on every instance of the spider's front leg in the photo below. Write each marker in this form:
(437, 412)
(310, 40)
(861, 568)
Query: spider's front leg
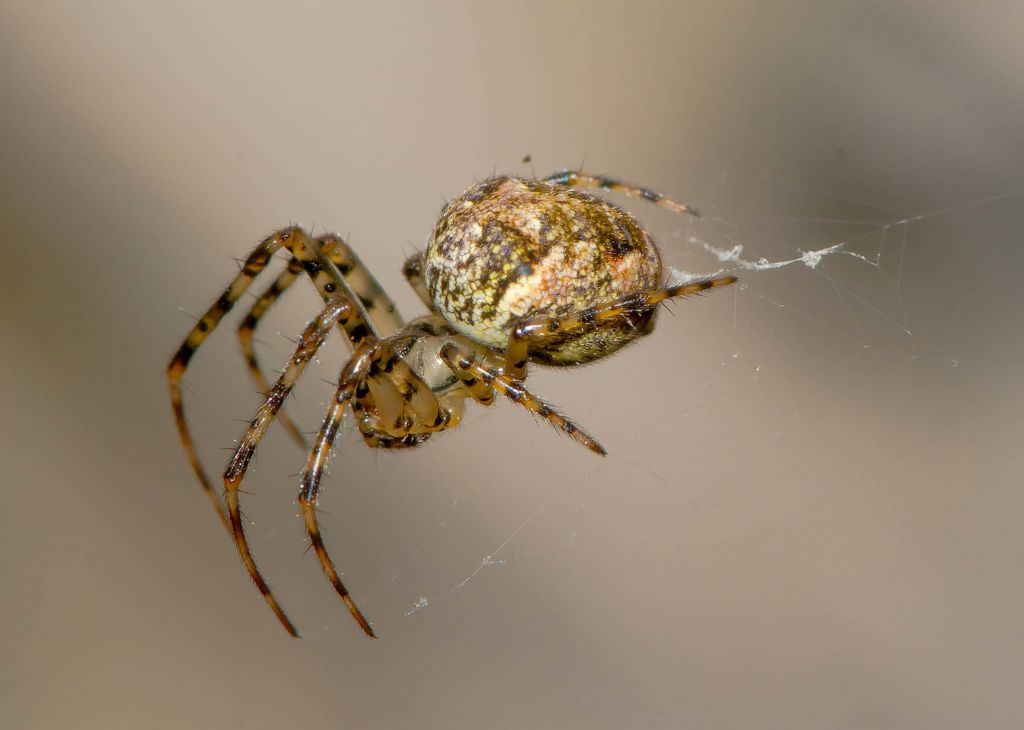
(326, 279)
(363, 364)
(341, 310)
(356, 280)
(371, 362)
(246, 332)
(533, 332)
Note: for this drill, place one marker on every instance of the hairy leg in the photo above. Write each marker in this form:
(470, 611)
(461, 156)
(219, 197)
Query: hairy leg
(316, 266)
(378, 306)
(482, 380)
(358, 282)
(370, 361)
(580, 179)
(247, 329)
(412, 270)
(364, 361)
(530, 331)
(340, 310)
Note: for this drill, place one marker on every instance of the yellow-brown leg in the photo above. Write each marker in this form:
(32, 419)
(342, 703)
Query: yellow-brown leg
(247, 329)
(532, 331)
(412, 270)
(341, 310)
(380, 310)
(324, 277)
(370, 361)
(364, 361)
(376, 303)
(579, 179)
(478, 378)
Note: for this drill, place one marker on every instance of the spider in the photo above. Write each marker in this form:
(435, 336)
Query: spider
(515, 271)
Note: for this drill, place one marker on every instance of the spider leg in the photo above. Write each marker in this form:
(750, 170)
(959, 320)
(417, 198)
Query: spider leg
(358, 282)
(327, 281)
(340, 310)
(580, 179)
(531, 331)
(368, 362)
(245, 335)
(376, 303)
(481, 380)
(363, 363)
(412, 270)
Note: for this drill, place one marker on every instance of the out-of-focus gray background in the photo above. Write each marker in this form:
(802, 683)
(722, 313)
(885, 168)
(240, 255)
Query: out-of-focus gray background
(810, 514)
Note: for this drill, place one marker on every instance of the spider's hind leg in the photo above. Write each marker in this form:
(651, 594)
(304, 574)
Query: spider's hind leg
(580, 179)
(531, 332)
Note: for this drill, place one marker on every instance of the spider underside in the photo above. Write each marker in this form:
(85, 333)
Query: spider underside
(515, 271)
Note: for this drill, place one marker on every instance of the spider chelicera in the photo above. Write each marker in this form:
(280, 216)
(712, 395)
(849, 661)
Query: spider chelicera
(515, 271)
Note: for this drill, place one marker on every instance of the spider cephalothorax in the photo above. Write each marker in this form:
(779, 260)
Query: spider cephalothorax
(515, 271)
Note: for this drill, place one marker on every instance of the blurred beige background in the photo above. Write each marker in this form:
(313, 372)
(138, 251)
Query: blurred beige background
(810, 514)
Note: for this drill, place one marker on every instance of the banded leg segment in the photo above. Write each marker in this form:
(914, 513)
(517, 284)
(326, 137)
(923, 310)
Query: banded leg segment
(477, 376)
(327, 281)
(580, 179)
(412, 270)
(532, 331)
(247, 329)
(341, 310)
(361, 365)
(378, 306)
(359, 283)
(293, 238)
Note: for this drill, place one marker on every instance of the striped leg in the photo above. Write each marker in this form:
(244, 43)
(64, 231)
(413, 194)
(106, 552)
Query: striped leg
(340, 310)
(364, 361)
(533, 330)
(379, 307)
(478, 378)
(326, 279)
(579, 179)
(245, 335)
(412, 270)
(368, 363)
(358, 281)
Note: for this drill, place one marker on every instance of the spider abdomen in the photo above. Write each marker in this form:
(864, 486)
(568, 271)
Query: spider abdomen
(508, 248)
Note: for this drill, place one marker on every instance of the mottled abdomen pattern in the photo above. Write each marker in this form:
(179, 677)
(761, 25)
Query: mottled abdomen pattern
(508, 248)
